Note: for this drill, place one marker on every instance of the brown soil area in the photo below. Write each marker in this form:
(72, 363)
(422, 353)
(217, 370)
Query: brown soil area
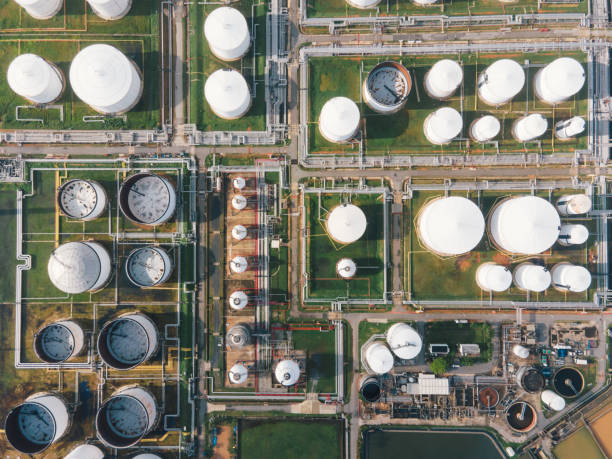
(224, 436)
(602, 428)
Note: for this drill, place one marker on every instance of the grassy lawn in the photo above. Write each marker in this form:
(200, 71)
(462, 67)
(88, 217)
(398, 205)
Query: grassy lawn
(320, 364)
(323, 253)
(402, 132)
(7, 249)
(579, 444)
(453, 278)
(339, 8)
(252, 66)
(291, 439)
(454, 334)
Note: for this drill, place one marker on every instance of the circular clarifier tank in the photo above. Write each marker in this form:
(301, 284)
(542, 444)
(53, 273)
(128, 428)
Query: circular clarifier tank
(128, 341)
(81, 199)
(148, 266)
(386, 88)
(530, 379)
(521, 416)
(568, 382)
(147, 199)
(59, 341)
(488, 397)
(370, 389)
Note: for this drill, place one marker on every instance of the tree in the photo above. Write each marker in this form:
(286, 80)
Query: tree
(438, 366)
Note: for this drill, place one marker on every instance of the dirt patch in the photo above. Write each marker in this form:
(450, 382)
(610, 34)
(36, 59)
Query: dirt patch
(501, 259)
(465, 262)
(602, 428)
(224, 437)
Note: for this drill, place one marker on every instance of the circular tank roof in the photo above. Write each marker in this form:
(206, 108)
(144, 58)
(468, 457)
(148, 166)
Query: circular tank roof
(238, 336)
(30, 428)
(147, 456)
(126, 342)
(572, 278)
(533, 278)
(346, 268)
(531, 379)
(346, 223)
(80, 198)
(239, 202)
(520, 351)
(485, 128)
(451, 226)
(552, 400)
(287, 372)
(339, 119)
(379, 358)
(493, 278)
(76, 267)
(238, 300)
(524, 225)
(443, 78)
(85, 452)
(574, 204)
(32, 77)
(521, 416)
(239, 232)
(363, 3)
(530, 127)
(501, 81)
(568, 382)
(387, 87)
(239, 183)
(54, 343)
(443, 125)
(560, 80)
(574, 234)
(239, 264)
(122, 421)
(370, 389)
(238, 374)
(148, 266)
(148, 199)
(404, 341)
(227, 93)
(227, 33)
(488, 397)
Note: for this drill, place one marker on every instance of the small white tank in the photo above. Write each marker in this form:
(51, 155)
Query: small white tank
(239, 202)
(227, 33)
(239, 232)
(500, 82)
(41, 9)
(238, 300)
(238, 374)
(443, 79)
(559, 80)
(239, 183)
(573, 234)
(110, 9)
(339, 120)
(239, 264)
(443, 125)
(363, 4)
(287, 372)
(425, 2)
(228, 94)
(570, 278)
(85, 451)
(574, 204)
(532, 278)
(530, 127)
(520, 351)
(570, 128)
(485, 128)
(35, 79)
(493, 278)
(346, 268)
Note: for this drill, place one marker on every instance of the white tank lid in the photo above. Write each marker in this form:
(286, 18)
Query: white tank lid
(239, 232)
(32, 77)
(76, 267)
(346, 268)
(443, 125)
(575, 204)
(570, 277)
(552, 400)
(501, 81)
(571, 127)
(287, 372)
(574, 234)
(239, 183)
(363, 3)
(520, 351)
(485, 128)
(494, 278)
(379, 358)
(444, 78)
(238, 300)
(346, 223)
(239, 202)
(339, 119)
(560, 80)
(238, 374)
(85, 452)
(532, 277)
(404, 341)
(227, 93)
(525, 225)
(530, 127)
(239, 264)
(451, 226)
(227, 33)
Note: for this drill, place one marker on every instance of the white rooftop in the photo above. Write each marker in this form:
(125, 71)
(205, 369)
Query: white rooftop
(379, 358)
(238, 300)
(339, 119)
(530, 127)
(239, 232)
(85, 452)
(485, 128)
(239, 264)
(428, 385)
(534, 278)
(560, 80)
(552, 400)
(238, 374)
(346, 268)
(404, 341)
(443, 78)
(572, 278)
(34, 78)
(227, 33)
(501, 81)
(76, 267)
(346, 223)
(443, 125)
(493, 278)
(227, 93)
(287, 372)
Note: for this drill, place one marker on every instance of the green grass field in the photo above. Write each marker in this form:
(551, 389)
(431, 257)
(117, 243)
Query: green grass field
(454, 334)
(323, 253)
(579, 444)
(320, 363)
(252, 66)
(402, 132)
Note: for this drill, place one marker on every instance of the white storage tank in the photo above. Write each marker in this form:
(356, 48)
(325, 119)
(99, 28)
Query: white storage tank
(570, 128)
(82, 199)
(346, 268)
(525, 225)
(78, 267)
(239, 183)
(227, 33)
(552, 400)
(346, 223)
(530, 127)
(520, 351)
(559, 80)
(450, 225)
(41, 9)
(574, 204)
(148, 266)
(239, 264)
(500, 82)
(110, 9)
(573, 234)
(425, 2)
(567, 277)
(485, 128)
(378, 358)
(227, 94)
(443, 79)
(443, 125)
(238, 374)
(386, 88)
(363, 4)
(239, 202)
(126, 417)
(532, 278)
(239, 232)
(85, 451)
(128, 341)
(404, 341)
(493, 278)
(106, 79)
(35, 79)
(147, 199)
(59, 341)
(287, 372)
(238, 300)
(238, 336)
(37, 423)
(339, 120)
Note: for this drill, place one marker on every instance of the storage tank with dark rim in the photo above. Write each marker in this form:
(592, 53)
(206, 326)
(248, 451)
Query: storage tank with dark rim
(488, 397)
(147, 199)
(59, 341)
(386, 88)
(521, 416)
(370, 389)
(530, 379)
(568, 382)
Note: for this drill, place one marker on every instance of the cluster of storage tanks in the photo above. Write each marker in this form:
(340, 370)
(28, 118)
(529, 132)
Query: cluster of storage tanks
(520, 225)
(388, 85)
(401, 341)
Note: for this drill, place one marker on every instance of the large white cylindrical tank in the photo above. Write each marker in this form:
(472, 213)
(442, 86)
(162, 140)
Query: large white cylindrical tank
(59, 341)
(239, 264)
(41, 9)
(443, 125)
(82, 199)
(404, 341)
(110, 9)
(500, 82)
(567, 277)
(147, 199)
(239, 232)
(346, 223)
(493, 278)
(559, 80)
(128, 341)
(520, 351)
(106, 79)
(378, 357)
(451, 225)
(485, 128)
(525, 225)
(37, 423)
(35, 79)
(85, 451)
(443, 79)
(148, 266)
(532, 278)
(227, 94)
(552, 400)
(227, 33)
(425, 2)
(530, 127)
(238, 300)
(573, 234)
(570, 128)
(346, 268)
(238, 374)
(77, 267)
(363, 4)
(574, 204)
(386, 88)
(127, 416)
(339, 120)
(287, 372)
